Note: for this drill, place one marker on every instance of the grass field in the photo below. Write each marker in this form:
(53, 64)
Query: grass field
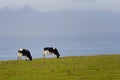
(102, 67)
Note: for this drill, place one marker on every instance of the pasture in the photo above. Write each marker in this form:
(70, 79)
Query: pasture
(101, 67)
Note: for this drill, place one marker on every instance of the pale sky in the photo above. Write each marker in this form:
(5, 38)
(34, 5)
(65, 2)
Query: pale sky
(86, 19)
(56, 5)
(73, 26)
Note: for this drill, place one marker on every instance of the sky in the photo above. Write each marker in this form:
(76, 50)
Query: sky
(78, 20)
(75, 27)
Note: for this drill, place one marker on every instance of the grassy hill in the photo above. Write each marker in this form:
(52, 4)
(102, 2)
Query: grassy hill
(102, 67)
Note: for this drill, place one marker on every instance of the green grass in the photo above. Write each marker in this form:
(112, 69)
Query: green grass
(102, 67)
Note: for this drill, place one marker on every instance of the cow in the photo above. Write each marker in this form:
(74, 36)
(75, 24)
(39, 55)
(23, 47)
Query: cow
(24, 52)
(50, 50)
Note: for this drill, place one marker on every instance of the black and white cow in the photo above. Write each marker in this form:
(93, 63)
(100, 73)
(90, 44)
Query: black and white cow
(51, 50)
(24, 52)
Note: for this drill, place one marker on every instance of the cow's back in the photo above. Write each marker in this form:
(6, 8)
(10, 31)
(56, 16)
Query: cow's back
(50, 49)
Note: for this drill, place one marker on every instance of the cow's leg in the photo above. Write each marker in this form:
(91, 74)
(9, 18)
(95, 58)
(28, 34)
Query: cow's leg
(26, 58)
(53, 55)
(44, 54)
(19, 56)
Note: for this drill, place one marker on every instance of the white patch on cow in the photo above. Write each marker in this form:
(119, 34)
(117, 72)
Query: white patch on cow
(47, 52)
(19, 56)
(20, 49)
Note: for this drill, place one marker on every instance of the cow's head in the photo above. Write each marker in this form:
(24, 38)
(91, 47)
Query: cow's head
(30, 58)
(56, 53)
(28, 55)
